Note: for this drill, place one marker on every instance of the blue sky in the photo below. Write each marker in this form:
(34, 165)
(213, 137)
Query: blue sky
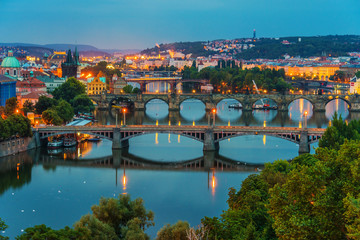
(125, 24)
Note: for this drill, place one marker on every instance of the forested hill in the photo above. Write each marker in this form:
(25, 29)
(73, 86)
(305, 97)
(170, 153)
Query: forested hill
(335, 45)
(273, 48)
(196, 48)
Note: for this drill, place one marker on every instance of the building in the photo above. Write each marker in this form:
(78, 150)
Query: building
(96, 85)
(70, 68)
(354, 85)
(10, 66)
(56, 59)
(119, 85)
(51, 82)
(7, 89)
(32, 97)
(29, 85)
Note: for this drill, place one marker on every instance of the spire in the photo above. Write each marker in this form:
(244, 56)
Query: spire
(69, 57)
(76, 57)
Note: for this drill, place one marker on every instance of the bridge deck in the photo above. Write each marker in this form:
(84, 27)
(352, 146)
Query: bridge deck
(168, 128)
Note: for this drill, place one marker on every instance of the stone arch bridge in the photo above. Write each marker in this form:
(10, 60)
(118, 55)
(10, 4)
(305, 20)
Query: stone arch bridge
(174, 101)
(210, 137)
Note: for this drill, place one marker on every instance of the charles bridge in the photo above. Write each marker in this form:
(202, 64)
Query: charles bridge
(319, 102)
(209, 136)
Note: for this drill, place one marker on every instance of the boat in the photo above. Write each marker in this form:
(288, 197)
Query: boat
(235, 106)
(55, 143)
(70, 142)
(94, 139)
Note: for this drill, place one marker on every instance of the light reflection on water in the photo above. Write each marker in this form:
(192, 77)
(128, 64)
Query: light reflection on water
(191, 194)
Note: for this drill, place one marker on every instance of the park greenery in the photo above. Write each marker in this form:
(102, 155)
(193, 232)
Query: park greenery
(113, 219)
(233, 79)
(13, 124)
(69, 99)
(131, 89)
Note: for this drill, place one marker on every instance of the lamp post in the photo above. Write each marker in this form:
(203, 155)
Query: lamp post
(124, 111)
(214, 112)
(305, 114)
(116, 117)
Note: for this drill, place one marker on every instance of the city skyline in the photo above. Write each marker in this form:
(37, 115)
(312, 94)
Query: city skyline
(138, 25)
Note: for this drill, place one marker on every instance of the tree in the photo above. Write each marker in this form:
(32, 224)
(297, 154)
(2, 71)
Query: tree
(128, 89)
(64, 111)
(19, 125)
(118, 212)
(28, 106)
(178, 231)
(93, 228)
(69, 90)
(44, 103)
(357, 74)
(43, 232)
(50, 117)
(83, 104)
(10, 106)
(133, 230)
(5, 129)
(3, 227)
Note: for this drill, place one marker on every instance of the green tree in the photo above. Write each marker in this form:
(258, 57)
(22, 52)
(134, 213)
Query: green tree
(3, 227)
(133, 231)
(128, 89)
(5, 129)
(357, 74)
(83, 104)
(19, 125)
(64, 111)
(118, 212)
(28, 106)
(178, 231)
(40, 232)
(93, 228)
(10, 106)
(69, 90)
(44, 103)
(50, 117)
(352, 216)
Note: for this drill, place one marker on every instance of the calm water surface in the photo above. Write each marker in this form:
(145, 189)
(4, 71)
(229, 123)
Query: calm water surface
(168, 171)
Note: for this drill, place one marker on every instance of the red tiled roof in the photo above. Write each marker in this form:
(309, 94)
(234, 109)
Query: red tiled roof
(30, 82)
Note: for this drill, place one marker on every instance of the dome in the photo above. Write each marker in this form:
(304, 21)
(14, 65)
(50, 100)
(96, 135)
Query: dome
(10, 62)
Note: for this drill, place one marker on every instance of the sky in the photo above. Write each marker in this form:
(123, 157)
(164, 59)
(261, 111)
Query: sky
(138, 24)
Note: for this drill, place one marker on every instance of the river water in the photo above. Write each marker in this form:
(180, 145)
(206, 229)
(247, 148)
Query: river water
(168, 171)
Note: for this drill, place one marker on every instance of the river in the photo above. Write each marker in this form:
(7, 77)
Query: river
(168, 171)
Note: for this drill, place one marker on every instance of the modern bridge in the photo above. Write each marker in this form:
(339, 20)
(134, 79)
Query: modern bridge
(319, 102)
(209, 136)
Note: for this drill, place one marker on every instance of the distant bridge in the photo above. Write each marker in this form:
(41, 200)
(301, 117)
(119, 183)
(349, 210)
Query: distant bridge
(174, 101)
(210, 137)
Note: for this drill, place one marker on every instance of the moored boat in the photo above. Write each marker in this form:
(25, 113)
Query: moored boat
(70, 142)
(235, 106)
(55, 143)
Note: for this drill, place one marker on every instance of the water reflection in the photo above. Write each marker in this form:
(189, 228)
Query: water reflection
(300, 108)
(157, 109)
(192, 110)
(339, 106)
(226, 114)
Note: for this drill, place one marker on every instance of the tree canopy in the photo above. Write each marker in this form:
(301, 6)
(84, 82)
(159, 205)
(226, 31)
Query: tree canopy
(69, 90)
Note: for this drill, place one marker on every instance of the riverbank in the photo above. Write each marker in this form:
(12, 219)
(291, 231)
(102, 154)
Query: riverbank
(17, 145)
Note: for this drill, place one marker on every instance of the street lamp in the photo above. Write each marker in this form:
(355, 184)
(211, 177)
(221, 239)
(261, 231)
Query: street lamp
(124, 111)
(305, 114)
(214, 112)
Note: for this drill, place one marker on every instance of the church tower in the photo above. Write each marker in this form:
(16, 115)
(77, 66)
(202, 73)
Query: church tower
(71, 66)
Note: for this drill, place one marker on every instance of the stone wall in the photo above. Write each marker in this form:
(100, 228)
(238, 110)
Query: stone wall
(17, 145)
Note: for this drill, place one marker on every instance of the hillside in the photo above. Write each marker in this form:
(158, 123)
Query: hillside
(196, 48)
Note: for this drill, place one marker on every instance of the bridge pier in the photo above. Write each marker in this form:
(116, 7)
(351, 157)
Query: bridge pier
(304, 146)
(209, 141)
(319, 107)
(118, 143)
(209, 106)
(139, 106)
(209, 159)
(35, 140)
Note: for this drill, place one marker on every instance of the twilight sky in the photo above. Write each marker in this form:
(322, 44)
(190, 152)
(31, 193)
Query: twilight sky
(126, 24)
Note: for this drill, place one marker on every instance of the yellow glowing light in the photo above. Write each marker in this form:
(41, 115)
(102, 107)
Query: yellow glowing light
(179, 138)
(305, 113)
(156, 138)
(169, 139)
(300, 125)
(265, 91)
(124, 110)
(194, 91)
(264, 140)
(229, 123)
(124, 181)
(157, 123)
(214, 110)
(179, 123)
(17, 110)
(193, 123)
(264, 124)
(169, 123)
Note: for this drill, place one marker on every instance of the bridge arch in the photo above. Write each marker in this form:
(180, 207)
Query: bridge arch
(191, 97)
(331, 99)
(299, 98)
(219, 100)
(295, 138)
(196, 136)
(264, 98)
(119, 100)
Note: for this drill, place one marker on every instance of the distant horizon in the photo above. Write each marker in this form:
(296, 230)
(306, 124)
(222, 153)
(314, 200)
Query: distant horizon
(119, 24)
(125, 49)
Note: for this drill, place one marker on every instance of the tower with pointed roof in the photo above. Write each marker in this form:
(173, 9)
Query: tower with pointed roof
(71, 66)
